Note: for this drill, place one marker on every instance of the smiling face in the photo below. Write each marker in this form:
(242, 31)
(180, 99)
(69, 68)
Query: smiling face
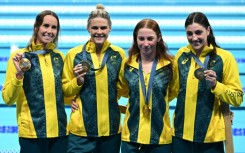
(99, 30)
(197, 36)
(147, 41)
(47, 32)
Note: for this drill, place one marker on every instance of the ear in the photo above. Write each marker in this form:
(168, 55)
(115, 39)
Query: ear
(159, 38)
(109, 28)
(208, 30)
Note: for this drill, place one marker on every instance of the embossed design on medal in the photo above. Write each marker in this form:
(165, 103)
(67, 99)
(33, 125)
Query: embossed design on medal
(25, 64)
(199, 74)
(146, 111)
(85, 66)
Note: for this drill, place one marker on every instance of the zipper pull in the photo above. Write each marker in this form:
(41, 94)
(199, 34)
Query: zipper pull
(46, 63)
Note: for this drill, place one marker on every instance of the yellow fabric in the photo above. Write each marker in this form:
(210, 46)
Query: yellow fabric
(229, 90)
(13, 92)
(77, 123)
(144, 130)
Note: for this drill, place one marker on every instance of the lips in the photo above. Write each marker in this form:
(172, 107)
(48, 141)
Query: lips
(48, 36)
(196, 43)
(101, 36)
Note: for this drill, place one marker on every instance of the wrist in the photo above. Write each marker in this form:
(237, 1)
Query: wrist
(214, 85)
(80, 81)
(19, 75)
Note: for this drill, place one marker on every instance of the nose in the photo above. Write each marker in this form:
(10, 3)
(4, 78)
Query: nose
(194, 37)
(99, 30)
(49, 30)
(145, 43)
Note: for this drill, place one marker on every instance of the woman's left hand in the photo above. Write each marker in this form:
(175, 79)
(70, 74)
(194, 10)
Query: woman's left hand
(211, 77)
(74, 105)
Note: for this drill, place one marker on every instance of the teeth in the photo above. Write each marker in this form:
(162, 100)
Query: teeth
(98, 36)
(48, 37)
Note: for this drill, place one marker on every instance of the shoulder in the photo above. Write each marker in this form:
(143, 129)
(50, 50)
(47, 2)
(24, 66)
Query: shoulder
(118, 49)
(57, 51)
(73, 51)
(182, 50)
(225, 54)
(22, 50)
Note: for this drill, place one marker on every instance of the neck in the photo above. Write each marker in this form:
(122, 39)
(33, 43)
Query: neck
(98, 49)
(147, 59)
(198, 53)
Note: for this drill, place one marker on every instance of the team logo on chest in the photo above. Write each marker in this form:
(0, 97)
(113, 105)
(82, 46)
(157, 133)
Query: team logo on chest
(185, 60)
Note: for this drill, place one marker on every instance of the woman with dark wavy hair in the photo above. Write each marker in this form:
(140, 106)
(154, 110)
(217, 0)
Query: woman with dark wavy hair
(207, 80)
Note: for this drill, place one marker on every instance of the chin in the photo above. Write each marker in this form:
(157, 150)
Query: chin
(99, 42)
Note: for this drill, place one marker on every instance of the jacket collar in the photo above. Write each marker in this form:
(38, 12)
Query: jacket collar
(91, 47)
(206, 50)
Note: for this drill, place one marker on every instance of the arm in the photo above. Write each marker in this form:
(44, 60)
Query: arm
(13, 80)
(174, 82)
(230, 90)
(122, 87)
(70, 84)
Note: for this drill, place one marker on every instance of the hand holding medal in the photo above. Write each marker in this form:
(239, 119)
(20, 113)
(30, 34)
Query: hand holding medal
(209, 75)
(80, 70)
(21, 64)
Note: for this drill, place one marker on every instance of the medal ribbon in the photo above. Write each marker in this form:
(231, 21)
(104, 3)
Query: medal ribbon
(153, 70)
(204, 66)
(103, 61)
(41, 52)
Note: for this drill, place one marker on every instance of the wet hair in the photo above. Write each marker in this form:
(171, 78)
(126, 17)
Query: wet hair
(39, 22)
(99, 12)
(161, 47)
(200, 18)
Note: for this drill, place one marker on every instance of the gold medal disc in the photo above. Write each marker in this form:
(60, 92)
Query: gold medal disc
(85, 66)
(199, 74)
(25, 64)
(146, 110)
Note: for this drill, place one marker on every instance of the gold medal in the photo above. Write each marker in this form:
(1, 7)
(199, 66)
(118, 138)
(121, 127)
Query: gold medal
(199, 74)
(146, 111)
(25, 64)
(85, 66)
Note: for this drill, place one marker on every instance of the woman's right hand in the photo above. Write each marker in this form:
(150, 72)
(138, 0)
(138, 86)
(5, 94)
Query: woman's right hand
(16, 60)
(78, 72)
(74, 105)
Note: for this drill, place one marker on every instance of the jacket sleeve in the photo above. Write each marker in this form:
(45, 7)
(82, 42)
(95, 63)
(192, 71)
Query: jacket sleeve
(230, 90)
(174, 82)
(69, 81)
(12, 87)
(122, 86)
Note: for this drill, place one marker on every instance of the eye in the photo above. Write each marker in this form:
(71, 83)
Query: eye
(54, 27)
(150, 38)
(46, 25)
(103, 27)
(198, 32)
(188, 33)
(141, 38)
(95, 28)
